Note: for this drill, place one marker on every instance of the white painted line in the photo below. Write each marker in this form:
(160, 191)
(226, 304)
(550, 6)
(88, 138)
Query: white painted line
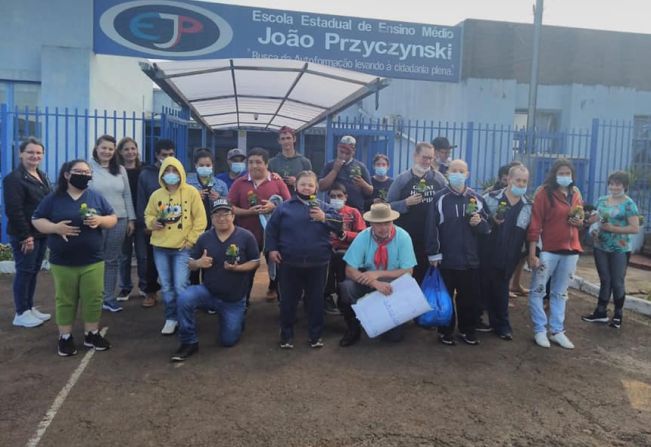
(61, 397)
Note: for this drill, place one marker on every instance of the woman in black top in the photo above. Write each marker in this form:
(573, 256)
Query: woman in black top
(23, 189)
(130, 159)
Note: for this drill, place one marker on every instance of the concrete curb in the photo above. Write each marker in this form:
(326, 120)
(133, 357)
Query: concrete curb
(632, 303)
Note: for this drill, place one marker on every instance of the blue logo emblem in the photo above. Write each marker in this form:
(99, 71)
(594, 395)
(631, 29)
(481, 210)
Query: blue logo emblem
(166, 28)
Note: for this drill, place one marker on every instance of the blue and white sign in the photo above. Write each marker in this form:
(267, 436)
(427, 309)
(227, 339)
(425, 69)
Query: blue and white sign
(165, 29)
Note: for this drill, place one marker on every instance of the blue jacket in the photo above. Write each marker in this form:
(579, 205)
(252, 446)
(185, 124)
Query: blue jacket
(449, 237)
(147, 184)
(300, 240)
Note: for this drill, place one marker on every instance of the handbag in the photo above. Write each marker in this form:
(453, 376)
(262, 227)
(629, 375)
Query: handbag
(438, 298)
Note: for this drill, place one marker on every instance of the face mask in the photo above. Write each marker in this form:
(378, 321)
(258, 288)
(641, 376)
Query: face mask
(238, 167)
(517, 191)
(80, 181)
(171, 179)
(204, 171)
(457, 179)
(337, 203)
(380, 171)
(419, 170)
(564, 180)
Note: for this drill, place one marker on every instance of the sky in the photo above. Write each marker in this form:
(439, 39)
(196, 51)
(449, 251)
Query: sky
(613, 15)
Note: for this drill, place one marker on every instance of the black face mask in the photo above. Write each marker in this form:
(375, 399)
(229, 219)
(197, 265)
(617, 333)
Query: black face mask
(80, 181)
(305, 197)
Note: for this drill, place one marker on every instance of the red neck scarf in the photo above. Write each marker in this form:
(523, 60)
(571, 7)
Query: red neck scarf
(381, 258)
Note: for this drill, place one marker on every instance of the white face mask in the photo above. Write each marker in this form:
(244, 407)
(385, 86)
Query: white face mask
(337, 203)
(419, 170)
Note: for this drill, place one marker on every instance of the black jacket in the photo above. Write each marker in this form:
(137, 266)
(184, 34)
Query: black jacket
(22, 194)
(449, 237)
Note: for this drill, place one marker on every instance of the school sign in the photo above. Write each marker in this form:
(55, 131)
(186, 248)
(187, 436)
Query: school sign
(183, 30)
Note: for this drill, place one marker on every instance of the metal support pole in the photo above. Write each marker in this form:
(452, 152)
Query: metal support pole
(533, 81)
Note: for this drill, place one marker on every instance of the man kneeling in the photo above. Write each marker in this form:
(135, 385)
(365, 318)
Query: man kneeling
(377, 256)
(226, 254)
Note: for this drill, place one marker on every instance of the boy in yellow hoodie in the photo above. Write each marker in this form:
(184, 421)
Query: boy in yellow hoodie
(176, 217)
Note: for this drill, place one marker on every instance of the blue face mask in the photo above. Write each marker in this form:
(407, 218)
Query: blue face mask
(204, 171)
(381, 171)
(564, 180)
(457, 179)
(337, 203)
(517, 191)
(171, 179)
(238, 167)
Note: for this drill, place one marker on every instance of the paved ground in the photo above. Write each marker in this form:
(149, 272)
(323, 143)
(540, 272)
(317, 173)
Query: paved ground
(414, 393)
(638, 280)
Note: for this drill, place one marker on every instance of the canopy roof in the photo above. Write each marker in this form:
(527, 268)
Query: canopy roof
(261, 93)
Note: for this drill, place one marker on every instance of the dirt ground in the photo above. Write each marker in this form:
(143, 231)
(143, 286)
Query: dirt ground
(414, 393)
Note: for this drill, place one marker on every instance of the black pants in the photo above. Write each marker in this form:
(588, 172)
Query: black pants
(151, 277)
(296, 282)
(351, 291)
(336, 273)
(422, 264)
(466, 284)
(495, 296)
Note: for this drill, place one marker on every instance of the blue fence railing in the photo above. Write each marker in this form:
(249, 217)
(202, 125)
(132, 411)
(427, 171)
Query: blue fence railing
(595, 151)
(71, 133)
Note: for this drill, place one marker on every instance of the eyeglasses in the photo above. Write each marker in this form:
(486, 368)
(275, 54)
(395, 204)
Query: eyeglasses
(81, 172)
(222, 215)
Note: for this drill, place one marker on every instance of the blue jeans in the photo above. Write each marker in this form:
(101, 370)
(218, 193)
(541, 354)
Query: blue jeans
(560, 268)
(27, 267)
(139, 240)
(174, 274)
(231, 315)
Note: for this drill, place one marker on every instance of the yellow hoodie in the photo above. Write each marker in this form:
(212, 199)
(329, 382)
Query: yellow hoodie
(183, 212)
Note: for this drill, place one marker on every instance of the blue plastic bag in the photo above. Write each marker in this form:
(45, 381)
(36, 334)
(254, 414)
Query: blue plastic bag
(438, 298)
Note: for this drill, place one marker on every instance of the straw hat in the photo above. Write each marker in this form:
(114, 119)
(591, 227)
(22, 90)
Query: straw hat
(381, 212)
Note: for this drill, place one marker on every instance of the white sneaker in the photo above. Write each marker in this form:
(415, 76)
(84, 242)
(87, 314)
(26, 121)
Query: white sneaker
(26, 319)
(562, 340)
(170, 327)
(40, 315)
(542, 340)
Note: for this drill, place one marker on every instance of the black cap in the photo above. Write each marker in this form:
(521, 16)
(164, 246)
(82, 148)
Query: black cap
(442, 143)
(221, 204)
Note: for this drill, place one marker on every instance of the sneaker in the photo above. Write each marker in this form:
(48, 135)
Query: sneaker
(185, 351)
(351, 337)
(447, 339)
(542, 340)
(318, 343)
(483, 327)
(169, 328)
(616, 322)
(596, 317)
(27, 319)
(67, 347)
(96, 341)
(211, 311)
(506, 337)
(287, 344)
(562, 340)
(112, 307)
(330, 306)
(40, 315)
(149, 301)
(469, 339)
(123, 295)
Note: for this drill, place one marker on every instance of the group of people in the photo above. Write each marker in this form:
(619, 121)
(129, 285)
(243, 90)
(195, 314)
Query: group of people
(198, 238)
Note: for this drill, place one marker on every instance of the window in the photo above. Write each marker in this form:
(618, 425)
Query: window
(549, 139)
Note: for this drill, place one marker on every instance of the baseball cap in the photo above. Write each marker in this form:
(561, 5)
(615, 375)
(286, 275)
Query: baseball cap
(442, 143)
(221, 204)
(235, 153)
(347, 139)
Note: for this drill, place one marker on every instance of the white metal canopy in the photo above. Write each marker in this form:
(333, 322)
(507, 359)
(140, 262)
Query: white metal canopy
(261, 93)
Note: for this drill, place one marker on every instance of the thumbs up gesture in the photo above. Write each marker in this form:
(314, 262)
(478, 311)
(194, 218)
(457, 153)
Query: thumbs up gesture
(205, 261)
